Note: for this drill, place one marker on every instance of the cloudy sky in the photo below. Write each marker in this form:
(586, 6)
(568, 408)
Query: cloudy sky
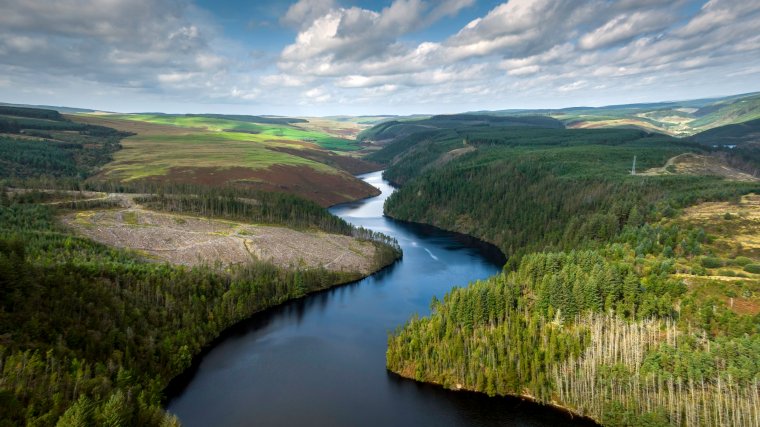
(323, 57)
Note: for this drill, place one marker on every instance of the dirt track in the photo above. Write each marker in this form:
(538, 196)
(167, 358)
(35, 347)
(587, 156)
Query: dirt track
(695, 164)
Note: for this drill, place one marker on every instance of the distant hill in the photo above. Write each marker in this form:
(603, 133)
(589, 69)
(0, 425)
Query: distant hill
(396, 129)
(676, 118)
(32, 113)
(51, 107)
(730, 135)
(271, 120)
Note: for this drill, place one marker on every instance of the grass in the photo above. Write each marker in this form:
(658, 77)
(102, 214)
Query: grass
(177, 149)
(154, 155)
(156, 149)
(129, 217)
(733, 246)
(233, 128)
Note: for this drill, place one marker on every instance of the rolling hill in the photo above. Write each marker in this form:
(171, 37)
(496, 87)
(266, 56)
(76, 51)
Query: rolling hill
(731, 135)
(219, 150)
(677, 118)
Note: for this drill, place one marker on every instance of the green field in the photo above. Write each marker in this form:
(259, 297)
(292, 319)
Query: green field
(154, 155)
(230, 127)
(198, 151)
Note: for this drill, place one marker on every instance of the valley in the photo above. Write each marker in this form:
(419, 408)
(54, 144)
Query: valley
(451, 213)
(204, 221)
(153, 276)
(615, 301)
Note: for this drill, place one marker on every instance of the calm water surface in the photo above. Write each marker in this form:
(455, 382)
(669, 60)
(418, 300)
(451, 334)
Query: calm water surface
(320, 361)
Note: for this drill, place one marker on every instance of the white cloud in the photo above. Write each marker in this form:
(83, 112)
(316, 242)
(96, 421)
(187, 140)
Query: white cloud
(520, 53)
(625, 27)
(173, 78)
(304, 12)
(284, 80)
(576, 85)
(524, 71)
(719, 13)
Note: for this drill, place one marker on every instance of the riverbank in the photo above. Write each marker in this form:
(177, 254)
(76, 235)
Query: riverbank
(96, 327)
(577, 418)
(321, 359)
(179, 382)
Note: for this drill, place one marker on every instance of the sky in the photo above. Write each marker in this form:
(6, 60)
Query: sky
(330, 57)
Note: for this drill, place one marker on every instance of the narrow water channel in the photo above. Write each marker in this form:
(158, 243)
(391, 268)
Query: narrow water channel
(320, 361)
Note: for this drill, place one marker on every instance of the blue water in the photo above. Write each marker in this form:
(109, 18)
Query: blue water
(320, 361)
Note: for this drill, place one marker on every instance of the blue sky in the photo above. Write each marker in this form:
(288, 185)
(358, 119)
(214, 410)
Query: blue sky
(324, 57)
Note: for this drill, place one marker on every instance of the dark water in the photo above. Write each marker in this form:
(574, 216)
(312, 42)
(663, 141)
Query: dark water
(320, 361)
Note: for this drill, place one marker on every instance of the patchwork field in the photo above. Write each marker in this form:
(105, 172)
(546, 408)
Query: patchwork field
(201, 150)
(189, 240)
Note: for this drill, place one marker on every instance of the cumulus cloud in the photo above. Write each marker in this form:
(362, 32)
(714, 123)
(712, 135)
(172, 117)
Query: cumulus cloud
(304, 12)
(520, 28)
(143, 46)
(342, 57)
(344, 37)
(104, 40)
(528, 45)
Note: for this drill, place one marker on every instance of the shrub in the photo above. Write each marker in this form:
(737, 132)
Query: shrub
(711, 262)
(728, 273)
(741, 260)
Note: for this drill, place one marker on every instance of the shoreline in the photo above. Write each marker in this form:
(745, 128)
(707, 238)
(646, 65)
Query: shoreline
(570, 412)
(177, 383)
(567, 411)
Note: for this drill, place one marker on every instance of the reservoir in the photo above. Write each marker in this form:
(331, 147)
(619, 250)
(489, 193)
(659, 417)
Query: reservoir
(320, 360)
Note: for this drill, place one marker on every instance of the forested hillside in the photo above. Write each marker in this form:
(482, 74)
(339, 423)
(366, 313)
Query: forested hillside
(526, 189)
(91, 334)
(395, 129)
(42, 144)
(615, 333)
(612, 304)
(94, 334)
(734, 135)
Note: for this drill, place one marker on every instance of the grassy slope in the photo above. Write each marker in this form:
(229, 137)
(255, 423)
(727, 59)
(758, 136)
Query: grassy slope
(679, 118)
(196, 150)
(294, 131)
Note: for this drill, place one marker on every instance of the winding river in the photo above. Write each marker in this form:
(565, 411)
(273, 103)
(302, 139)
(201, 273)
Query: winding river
(320, 360)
